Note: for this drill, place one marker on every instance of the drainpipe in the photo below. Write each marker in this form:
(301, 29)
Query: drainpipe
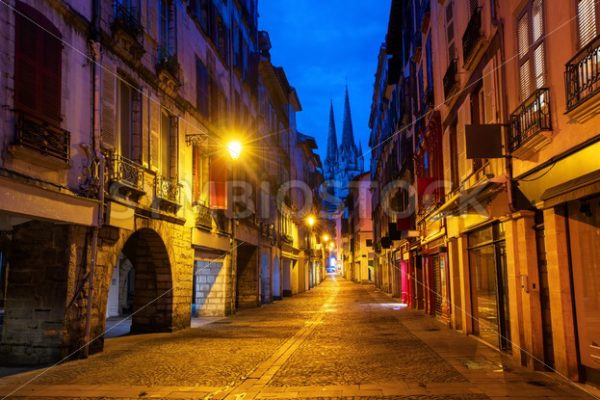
(95, 120)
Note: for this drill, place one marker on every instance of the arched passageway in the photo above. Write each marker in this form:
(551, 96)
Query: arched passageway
(141, 285)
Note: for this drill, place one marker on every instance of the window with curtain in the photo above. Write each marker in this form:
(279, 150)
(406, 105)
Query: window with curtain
(530, 36)
(588, 13)
(38, 64)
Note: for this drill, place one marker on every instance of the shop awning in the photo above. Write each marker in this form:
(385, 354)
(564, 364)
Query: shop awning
(583, 186)
(468, 199)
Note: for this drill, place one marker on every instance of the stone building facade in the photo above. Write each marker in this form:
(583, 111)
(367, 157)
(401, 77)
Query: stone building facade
(115, 200)
(502, 114)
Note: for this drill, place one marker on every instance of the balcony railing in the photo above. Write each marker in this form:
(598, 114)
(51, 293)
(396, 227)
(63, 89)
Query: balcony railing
(127, 19)
(583, 74)
(472, 34)
(532, 117)
(167, 61)
(168, 192)
(41, 136)
(450, 78)
(125, 175)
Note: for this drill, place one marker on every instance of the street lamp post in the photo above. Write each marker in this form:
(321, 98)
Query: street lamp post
(234, 148)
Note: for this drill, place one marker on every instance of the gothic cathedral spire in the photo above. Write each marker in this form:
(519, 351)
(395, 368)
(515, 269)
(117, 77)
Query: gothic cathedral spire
(332, 146)
(348, 144)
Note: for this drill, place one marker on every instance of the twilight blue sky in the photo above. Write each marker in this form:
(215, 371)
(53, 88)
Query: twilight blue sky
(321, 44)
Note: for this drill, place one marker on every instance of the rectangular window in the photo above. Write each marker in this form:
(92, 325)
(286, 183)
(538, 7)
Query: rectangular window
(201, 12)
(477, 117)
(454, 156)
(530, 38)
(199, 176)
(165, 144)
(38, 65)
(202, 87)
(125, 120)
(587, 21)
(166, 29)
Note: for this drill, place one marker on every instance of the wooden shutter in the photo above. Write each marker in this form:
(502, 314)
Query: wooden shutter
(154, 133)
(38, 64)
(26, 49)
(463, 169)
(218, 182)
(109, 94)
(196, 171)
(489, 92)
(586, 21)
(50, 76)
(173, 146)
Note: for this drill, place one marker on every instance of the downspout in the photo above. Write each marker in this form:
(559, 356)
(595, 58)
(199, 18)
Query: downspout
(95, 120)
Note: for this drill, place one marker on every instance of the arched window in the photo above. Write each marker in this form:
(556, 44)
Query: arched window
(38, 64)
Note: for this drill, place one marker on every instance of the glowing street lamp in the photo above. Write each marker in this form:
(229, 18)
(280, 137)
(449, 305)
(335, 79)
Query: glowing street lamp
(310, 220)
(234, 148)
(326, 237)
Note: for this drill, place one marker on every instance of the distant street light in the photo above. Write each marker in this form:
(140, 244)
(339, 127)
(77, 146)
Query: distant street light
(235, 149)
(310, 221)
(326, 237)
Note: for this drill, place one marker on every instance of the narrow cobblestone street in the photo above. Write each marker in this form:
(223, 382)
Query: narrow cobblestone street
(341, 340)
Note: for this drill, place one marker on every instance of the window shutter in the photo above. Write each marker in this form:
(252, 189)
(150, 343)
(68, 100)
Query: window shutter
(202, 87)
(218, 182)
(108, 105)
(538, 66)
(489, 91)
(51, 76)
(26, 48)
(463, 170)
(154, 133)
(523, 35)
(586, 21)
(173, 146)
(537, 20)
(153, 20)
(196, 174)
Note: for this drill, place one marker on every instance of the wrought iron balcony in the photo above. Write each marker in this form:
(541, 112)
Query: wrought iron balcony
(127, 19)
(472, 35)
(450, 78)
(125, 176)
(167, 62)
(203, 217)
(583, 74)
(532, 117)
(167, 192)
(41, 136)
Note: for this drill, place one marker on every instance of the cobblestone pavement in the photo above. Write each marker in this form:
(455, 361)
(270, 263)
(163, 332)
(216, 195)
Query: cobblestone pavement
(340, 340)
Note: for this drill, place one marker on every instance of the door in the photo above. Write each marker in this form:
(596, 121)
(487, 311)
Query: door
(584, 231)
(112, 309)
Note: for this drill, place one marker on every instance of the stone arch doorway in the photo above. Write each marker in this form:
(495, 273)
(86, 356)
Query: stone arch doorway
(141, 285)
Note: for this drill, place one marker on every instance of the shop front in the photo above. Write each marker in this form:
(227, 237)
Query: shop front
(435, 273)
(488, 276)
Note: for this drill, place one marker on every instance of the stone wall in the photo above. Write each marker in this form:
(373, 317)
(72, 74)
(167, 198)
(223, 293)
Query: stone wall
(45, 260)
